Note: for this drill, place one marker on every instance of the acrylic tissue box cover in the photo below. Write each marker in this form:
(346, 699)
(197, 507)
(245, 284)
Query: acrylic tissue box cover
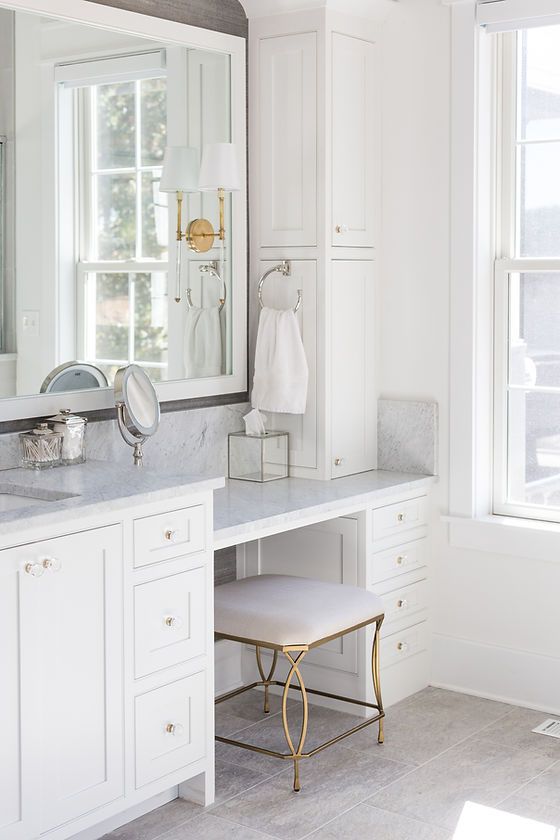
(258, 457)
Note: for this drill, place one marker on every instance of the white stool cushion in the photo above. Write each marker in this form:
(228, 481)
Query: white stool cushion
(286, 610)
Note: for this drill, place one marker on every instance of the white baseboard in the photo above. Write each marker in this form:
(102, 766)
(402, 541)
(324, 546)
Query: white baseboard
(111, 823)
(511, 676)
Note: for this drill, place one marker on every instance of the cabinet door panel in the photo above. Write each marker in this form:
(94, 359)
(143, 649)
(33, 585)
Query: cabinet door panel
(353, 397)
(281, 292)
(80, 660)
(19, 730)
(353, 142)
(287, 103)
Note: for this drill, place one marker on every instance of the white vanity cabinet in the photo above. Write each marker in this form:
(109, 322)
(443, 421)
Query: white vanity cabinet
(315, 202)
(106, 647)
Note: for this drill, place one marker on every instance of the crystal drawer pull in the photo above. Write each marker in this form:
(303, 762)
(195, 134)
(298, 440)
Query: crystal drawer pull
(402, 647)
(401, 559)
(51, 564)
(170, 535)
(34, 569)
(173, 729)
(401, 517)
(341, 228)
(173, 622)
(402, 604)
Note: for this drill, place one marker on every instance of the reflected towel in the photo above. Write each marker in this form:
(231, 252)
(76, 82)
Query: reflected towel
(281, 372)
(203, 342)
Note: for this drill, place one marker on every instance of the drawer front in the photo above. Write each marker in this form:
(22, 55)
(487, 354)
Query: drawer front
(170, 728)
(168, 535)
(394, 519)
(400, 560)
(402, 645)
(406, 601)
(169, 621)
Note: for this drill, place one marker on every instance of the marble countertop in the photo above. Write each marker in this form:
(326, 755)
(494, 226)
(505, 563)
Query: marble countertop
(91, 488)
(245, 510)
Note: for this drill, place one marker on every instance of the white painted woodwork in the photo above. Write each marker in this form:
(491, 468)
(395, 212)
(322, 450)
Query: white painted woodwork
(280, 292)
(353, 397)
(353, 142)
(287, 109)
(169, 621)
(397, 560)
(400, 646)
(405, 603)
(393, 519)
(170, 728)
(170, 534)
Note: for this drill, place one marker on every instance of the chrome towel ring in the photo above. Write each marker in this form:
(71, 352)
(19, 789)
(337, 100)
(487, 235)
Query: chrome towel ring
(209, 268)
(283, 268)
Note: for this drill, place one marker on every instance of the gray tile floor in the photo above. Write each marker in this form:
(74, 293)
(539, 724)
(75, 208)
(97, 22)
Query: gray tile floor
(442, 750)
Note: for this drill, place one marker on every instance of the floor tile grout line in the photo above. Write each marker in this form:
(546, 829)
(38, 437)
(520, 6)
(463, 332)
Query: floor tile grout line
(524, 785)
(242, 825)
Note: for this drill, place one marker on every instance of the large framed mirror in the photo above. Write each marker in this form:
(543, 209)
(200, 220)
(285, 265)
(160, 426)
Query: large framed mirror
(98, 104)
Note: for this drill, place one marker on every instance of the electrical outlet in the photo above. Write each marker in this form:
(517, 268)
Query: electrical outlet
(30, 322)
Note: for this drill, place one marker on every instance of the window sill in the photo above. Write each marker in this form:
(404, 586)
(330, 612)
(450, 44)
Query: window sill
(506, 535)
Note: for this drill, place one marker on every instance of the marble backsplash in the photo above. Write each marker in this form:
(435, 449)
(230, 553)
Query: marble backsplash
(407, 436)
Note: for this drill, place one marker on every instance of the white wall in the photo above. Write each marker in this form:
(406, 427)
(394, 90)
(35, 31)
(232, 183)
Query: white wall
(496, 623)
(7, 361)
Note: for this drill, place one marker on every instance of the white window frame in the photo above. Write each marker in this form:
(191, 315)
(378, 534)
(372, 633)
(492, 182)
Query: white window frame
(471, 521)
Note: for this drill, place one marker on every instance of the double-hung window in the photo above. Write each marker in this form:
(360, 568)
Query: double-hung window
(527, 277)
(119, 127)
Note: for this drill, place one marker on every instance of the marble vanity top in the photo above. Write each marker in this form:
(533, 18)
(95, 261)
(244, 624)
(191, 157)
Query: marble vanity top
(91, 488)
(246, 510)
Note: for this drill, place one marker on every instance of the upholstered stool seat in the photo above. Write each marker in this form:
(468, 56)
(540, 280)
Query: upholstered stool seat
(293, 615)
(282, 610)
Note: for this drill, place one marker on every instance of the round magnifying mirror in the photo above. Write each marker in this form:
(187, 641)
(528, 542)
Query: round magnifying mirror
(137, 408)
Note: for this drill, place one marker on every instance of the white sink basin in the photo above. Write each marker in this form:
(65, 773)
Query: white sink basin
(13, 497)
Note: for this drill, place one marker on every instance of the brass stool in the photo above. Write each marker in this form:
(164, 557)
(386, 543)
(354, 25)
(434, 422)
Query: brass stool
(293, 615)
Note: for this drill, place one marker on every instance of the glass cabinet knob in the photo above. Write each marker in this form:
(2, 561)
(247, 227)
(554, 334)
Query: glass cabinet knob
(174, 729)
(172, 621)
(34, 569)
(51, 564)
(170, 535)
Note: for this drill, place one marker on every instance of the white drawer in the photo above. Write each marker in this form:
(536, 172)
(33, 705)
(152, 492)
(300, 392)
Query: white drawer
(169, 621)
(170, 727)
(402, 645)
(394, 519)
(399, 560)
(168, 535)
(405, 601)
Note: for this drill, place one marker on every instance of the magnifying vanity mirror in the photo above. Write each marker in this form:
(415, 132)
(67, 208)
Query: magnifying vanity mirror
(95, 276)
(137, 406)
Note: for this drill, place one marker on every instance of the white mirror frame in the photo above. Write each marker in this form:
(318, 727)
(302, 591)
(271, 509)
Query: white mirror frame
(183, 35)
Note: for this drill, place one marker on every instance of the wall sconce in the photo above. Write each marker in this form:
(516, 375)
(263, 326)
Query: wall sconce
(180, 174)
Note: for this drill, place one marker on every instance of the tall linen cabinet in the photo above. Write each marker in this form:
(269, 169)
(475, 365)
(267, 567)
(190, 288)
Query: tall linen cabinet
(314, 176)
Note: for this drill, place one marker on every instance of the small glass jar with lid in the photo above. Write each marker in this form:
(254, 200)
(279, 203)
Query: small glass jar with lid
(40, 448)
(72, 428)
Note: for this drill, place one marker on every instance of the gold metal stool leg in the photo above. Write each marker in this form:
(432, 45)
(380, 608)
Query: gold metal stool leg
(266, 680)
(296, 753)
(376, 676)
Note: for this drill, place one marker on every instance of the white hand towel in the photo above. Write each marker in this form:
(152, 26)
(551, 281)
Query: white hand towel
(203, 342)
(281, 372)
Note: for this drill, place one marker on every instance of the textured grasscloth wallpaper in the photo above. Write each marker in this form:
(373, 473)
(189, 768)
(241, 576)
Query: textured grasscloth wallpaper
(220, 15)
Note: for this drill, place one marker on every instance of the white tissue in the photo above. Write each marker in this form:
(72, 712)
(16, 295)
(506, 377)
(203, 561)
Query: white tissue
(254, 423)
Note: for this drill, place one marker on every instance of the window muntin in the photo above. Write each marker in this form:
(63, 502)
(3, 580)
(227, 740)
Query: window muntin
(527, 279)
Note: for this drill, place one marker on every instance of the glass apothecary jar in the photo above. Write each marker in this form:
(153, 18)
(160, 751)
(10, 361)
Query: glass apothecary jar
(40, 448)
(72, 427)
(258, 457)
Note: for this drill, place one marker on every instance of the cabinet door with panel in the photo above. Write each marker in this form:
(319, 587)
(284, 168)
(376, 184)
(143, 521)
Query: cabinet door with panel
(353, 397)
(353, 142)
(75, 666)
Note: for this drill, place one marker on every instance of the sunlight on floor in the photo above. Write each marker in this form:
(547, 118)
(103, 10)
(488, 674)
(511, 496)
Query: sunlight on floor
(477, 822)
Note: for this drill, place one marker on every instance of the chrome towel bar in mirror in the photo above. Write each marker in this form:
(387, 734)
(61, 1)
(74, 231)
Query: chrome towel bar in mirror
(285, 269)
(210, 268)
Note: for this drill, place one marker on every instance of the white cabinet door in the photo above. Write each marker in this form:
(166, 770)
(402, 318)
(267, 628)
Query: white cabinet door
(77, 663)
(287, 131)
(353, 142)
(19, 729)
(281, 293)
(353, 395)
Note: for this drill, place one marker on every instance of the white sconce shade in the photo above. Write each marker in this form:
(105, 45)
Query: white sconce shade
(180, 170)
(219, 169)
